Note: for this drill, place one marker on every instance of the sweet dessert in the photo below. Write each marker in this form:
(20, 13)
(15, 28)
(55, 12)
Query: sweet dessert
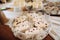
(29, 26)
(47, 9)
(52, 8)
(34, 3)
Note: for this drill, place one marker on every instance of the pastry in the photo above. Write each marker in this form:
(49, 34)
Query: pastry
(29, 25)
(54, 10)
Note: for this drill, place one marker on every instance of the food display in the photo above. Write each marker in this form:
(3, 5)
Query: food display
(34, 4)
(30, 26)
(52, 8)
